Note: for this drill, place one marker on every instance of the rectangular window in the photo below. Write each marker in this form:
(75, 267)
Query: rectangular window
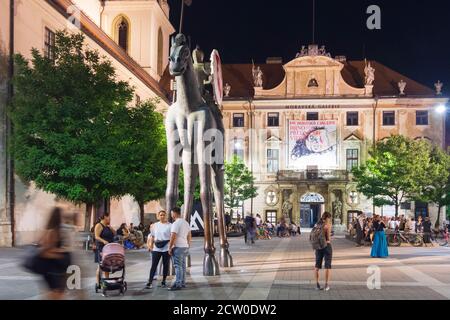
(352, 119)
(273, 119)
(422, 118)
(352, 159)
(388, 118)
(49, 44)
(273, 160)
(238, 120)
(312, 116)
(271, 216)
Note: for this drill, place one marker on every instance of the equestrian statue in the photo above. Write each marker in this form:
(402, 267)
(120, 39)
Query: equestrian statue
(195, 140)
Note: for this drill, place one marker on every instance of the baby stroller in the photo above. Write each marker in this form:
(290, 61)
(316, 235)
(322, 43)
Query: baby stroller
(113, 260)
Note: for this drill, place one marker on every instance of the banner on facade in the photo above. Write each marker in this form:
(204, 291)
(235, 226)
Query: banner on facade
(312, 143)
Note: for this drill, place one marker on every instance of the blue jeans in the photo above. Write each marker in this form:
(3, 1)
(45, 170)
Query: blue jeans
(179, 262)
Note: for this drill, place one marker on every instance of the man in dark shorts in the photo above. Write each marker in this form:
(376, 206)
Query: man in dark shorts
(325, 253)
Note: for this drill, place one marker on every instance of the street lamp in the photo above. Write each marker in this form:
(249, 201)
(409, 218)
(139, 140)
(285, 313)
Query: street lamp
(441, 108)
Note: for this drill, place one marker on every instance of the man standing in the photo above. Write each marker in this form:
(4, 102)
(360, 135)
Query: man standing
(359, 229)
(180, 241)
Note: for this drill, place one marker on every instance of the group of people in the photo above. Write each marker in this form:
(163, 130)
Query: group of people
(255, 228)
(372, 230)
(133, 237)
(365, 229)
(166, 240)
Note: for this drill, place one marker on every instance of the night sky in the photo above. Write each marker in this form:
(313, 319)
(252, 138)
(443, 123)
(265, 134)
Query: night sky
(414, 39)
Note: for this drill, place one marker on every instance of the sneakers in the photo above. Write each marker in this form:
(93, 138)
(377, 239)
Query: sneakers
(326, 288)
(163, 285)
(174, 288)
(149, 285)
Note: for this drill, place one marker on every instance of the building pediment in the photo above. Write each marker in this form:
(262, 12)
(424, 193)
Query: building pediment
(313, 62)
(312, 73)
(272, 139)
(354, 136)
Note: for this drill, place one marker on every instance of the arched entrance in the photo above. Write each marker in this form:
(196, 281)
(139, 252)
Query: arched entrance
(311, 207)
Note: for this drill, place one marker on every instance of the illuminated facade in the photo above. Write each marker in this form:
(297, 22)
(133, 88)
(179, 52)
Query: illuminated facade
(313, 120)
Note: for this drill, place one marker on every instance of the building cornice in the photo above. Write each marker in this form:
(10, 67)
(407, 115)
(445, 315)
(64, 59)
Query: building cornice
(335, 103)
(94, 32)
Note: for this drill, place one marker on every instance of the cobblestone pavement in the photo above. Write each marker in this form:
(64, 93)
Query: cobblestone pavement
(270, 269)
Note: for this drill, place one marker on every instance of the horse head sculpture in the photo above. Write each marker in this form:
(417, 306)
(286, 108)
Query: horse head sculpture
(180, 56)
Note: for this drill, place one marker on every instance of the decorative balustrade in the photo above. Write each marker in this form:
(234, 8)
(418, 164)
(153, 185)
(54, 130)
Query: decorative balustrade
(314, 175)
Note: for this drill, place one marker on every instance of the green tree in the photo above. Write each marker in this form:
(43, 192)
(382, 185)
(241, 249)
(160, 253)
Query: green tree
(436, 188)
(181, 189)
(394, 172)
(65, 114)
(239, 183)
(142, 152)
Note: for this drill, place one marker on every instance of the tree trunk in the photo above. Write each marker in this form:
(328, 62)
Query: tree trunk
(438, 221)
(141, 211)
(396, 210)
(87, 217)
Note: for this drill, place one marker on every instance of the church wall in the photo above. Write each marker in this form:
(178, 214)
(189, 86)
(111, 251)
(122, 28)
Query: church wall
(33, 205)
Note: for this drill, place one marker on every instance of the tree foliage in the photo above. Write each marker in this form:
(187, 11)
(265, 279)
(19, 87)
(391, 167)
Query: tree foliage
(436, 188)
(395, 171)
(142, 152)
(74, 134)
(239, 183)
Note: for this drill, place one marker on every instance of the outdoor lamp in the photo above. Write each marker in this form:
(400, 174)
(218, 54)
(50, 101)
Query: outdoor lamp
(441, 108)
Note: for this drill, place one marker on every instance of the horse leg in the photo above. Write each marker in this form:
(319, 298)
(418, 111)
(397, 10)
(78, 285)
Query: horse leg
(226, 260)
(210, 265)
(173, 165)
(190, 171)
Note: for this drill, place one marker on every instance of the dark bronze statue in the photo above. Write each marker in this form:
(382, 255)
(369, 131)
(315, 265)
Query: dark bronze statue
(195, 140)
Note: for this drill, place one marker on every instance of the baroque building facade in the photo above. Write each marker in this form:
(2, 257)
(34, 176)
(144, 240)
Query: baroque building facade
(302, 126)
(132, 34)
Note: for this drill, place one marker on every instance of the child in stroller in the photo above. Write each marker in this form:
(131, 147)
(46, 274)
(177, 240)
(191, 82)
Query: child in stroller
(113, 260)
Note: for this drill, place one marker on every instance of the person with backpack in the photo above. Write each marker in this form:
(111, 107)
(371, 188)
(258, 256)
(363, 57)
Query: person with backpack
(320, 239)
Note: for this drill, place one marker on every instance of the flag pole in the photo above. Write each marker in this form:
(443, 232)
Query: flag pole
(182, 16)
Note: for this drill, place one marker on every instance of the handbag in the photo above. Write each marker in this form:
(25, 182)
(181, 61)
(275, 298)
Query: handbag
(161, 243)
(33, 261)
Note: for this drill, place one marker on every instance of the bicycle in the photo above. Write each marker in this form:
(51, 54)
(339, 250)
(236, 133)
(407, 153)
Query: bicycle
(398, 237)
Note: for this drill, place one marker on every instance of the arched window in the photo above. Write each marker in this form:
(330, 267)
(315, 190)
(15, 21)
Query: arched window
(121, 32)
(160, 51)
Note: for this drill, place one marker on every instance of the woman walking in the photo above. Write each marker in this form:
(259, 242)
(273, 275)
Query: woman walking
(158, 245)
(55, 256)
(104, 234)
(380, 246)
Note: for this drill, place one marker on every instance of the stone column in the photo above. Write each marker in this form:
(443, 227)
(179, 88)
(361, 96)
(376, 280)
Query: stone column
(5, 221)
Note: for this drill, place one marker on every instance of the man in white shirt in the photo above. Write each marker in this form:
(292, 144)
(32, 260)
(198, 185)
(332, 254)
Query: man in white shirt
(180, 241)
(392, 224)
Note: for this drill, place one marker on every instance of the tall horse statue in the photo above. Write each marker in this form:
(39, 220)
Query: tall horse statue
(194, 139)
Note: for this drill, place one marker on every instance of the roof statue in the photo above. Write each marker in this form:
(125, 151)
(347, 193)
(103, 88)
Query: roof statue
(402, 87)
(439, 85)
(370, 74)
